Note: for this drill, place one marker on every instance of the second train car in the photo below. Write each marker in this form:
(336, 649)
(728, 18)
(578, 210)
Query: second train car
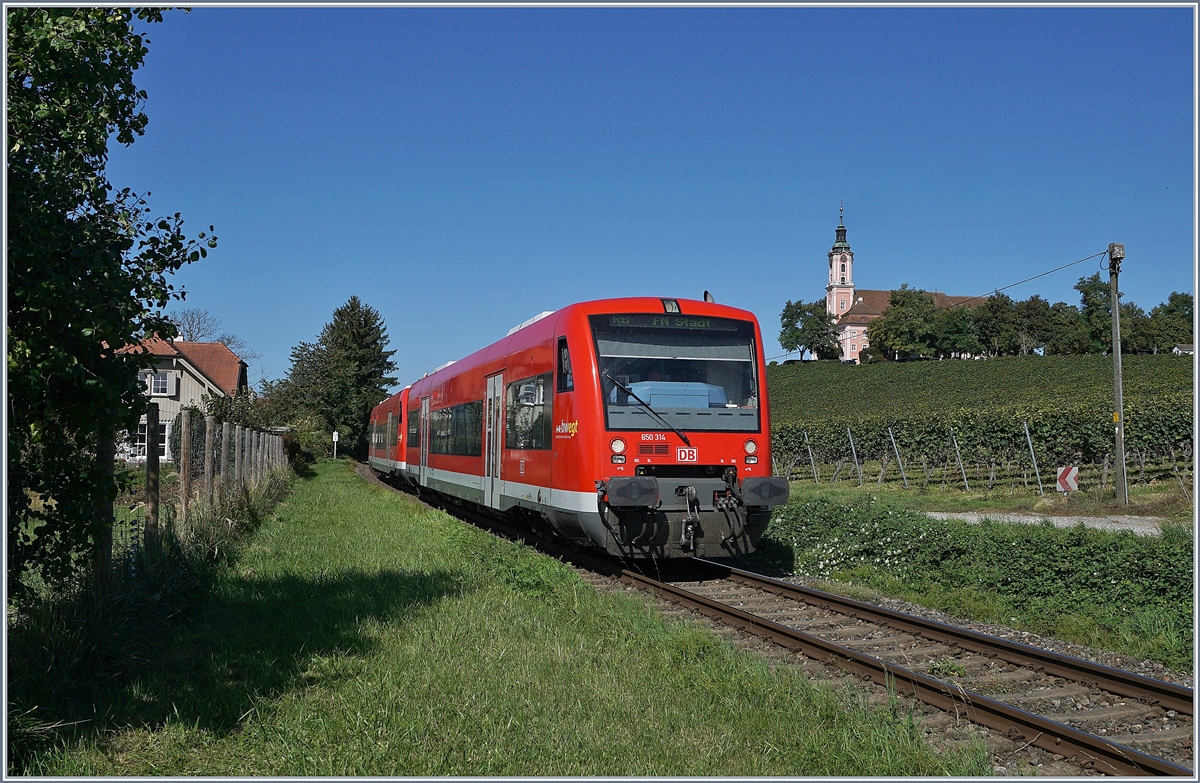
(638, 426)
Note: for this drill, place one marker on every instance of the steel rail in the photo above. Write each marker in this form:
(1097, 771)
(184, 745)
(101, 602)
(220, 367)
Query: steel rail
(1145, 689)
(1089, 750)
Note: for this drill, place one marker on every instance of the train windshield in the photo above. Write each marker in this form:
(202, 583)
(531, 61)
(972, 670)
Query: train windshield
(697, 373)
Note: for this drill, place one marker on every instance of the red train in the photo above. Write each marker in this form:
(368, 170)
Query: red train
(638, 426)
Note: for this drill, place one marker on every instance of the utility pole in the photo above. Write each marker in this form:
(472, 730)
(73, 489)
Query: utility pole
(1116, 253)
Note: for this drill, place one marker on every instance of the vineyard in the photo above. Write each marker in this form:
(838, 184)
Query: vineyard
(976, 422)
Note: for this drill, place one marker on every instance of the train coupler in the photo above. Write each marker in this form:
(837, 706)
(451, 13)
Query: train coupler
(691, 520)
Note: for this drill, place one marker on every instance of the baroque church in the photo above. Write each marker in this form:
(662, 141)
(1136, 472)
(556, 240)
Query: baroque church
(854, 308)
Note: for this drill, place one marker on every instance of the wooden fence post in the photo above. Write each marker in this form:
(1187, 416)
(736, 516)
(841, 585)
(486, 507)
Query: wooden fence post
(151, 529)
(210, 427)
(184, 462)
(237, 458)
(225, 459)
(257, 458)
(106, 453)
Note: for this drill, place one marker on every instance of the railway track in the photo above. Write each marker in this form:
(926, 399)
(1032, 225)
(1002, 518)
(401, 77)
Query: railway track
(1103, 719)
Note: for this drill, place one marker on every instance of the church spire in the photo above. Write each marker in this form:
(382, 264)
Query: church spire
(841, 231)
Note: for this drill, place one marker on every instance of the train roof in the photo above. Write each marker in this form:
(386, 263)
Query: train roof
(634, 304)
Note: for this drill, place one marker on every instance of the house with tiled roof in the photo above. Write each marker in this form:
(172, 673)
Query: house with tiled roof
(180, 373)
(855, 308)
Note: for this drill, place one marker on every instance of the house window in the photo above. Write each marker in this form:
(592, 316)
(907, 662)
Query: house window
(842, 304)
(843, 269)
(140, 443)
(854, 346)
(161, 384)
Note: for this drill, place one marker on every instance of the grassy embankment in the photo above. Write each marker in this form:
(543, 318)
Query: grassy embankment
(361, 633)
(1114, 591)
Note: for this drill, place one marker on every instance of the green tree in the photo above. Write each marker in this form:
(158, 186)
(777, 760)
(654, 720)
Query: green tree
(87, 276)
(998, 324)
(906, 328)
(1171, 323)
(806, 326)
(1135, 330)
(955, 333)
(1095, 305)
(1070, 331)
(1035, 324)
(337, 380)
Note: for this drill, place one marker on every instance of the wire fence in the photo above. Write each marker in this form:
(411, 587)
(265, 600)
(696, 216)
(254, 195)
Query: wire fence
(970, 460)
(214, 464)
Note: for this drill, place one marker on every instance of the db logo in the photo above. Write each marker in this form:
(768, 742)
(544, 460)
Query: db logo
(685, 455)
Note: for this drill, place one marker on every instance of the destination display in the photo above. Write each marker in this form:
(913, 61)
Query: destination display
(668, 321)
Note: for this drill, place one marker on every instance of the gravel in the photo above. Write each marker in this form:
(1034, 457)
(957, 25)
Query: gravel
(1142, 526)
(1116, 660)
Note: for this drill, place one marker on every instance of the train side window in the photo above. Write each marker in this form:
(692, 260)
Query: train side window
(528, 414)
(457, 430)
(414, 428)
(566, 380)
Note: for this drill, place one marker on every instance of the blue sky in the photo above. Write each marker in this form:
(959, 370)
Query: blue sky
(461, 170)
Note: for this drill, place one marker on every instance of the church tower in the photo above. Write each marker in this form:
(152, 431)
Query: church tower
(839, 293)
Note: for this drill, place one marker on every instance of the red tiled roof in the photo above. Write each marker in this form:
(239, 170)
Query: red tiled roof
(214, 360)
(870, 304)
(221, 365)
(943, 301)
(152, 345)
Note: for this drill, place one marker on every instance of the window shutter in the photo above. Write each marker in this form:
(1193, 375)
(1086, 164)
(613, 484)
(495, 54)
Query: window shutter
(172, 379)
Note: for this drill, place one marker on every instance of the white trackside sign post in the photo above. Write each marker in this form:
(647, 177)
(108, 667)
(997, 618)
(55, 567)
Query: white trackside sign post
(1068, 479)
(335, 444)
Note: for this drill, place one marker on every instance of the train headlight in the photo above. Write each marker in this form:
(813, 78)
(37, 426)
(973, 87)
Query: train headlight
(751, 447)
(617, 445)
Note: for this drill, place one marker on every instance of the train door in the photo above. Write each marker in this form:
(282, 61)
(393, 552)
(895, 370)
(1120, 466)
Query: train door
(387, 442)
(423, 472)
(493, 432)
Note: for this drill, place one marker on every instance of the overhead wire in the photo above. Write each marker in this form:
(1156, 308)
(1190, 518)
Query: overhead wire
(1026, 280)
(1002, 288)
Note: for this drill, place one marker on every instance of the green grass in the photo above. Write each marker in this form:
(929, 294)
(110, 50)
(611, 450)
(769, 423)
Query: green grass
(897, 389)
(1115, 591)
(361, 633)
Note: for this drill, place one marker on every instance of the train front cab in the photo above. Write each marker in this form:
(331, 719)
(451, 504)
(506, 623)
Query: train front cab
(691, 474)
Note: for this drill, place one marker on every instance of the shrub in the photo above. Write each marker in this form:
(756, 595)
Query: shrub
(1120, 590)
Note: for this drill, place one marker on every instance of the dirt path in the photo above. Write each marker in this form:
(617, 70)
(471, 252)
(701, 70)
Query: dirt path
(1142, 526)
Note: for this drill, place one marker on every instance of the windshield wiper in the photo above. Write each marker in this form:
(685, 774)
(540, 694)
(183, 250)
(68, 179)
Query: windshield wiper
(653, 412)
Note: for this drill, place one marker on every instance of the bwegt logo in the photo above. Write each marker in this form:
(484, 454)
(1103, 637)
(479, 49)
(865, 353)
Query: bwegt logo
(568, 428)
